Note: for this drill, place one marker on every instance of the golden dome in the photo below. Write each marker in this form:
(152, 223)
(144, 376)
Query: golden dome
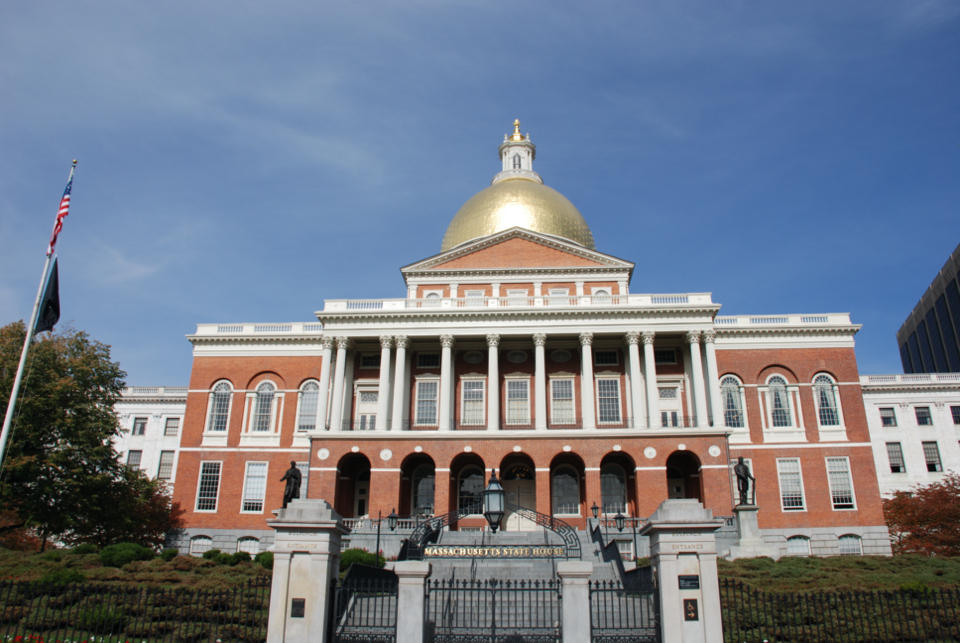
(519, 202)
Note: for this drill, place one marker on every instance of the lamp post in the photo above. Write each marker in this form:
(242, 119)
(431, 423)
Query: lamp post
(392, 520)
(376, 552)
(596, 510)
(620, 520)
(493, 497)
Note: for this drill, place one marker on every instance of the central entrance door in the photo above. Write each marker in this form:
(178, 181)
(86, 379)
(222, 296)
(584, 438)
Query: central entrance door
(519, 483)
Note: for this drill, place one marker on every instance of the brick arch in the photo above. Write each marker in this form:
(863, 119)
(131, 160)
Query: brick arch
(350, 467)
(687, 464)
(216, 380)
(273, 376)
(777, 369)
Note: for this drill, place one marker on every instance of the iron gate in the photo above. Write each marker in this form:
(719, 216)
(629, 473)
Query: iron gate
(365, 611)
(619, 615)
(492, 611)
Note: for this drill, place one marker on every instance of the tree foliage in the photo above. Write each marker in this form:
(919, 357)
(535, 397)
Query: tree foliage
(926, 520)
(61, 475)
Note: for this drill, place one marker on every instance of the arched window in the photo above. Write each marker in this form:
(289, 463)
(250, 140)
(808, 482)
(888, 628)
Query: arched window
(516, 161)
(566, 490)
(613, 489)
(200, 544)
(471, 490)
(432, 300)
(263, 407)
(249, 545)
(798, 546)
(732, 404)
(424, 479)
(309, 396)
(219, 406)
(823, 391)
(850, 545)
(779, 401)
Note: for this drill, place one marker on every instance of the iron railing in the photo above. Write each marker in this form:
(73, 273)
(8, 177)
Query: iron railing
(930, 616)
(492, 611)
(85, 612)
(620, 615)
(365, 609)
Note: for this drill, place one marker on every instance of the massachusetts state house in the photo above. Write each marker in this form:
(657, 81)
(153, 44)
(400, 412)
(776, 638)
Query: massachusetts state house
(520, 347)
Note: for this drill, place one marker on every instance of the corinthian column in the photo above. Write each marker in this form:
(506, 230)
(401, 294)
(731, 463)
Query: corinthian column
(540, 381)
(713, 377)
(336, 412)
(383, 390)
(324, 394)
(699, 392)
(586, 381)
(399, 384)
(636, 387)
(446, 382)
(493, 382)
(650, 377)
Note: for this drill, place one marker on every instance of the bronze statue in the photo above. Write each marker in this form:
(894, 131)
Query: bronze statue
(293, 477)
(743, 480)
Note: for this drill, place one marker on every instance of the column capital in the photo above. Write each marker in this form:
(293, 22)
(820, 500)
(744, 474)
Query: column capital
(386, 341)
(633, 337)
(402, 341)
(709, 336)
(692, 337)
(586, 339)
(447, 341)
(648, 336)
(344, 342)
(326, 342)
(539, 339)
(493, 340)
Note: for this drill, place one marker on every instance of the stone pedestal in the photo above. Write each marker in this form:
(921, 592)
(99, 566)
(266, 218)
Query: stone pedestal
(750, 542)
(683, 553)
(575, 576)
(306, 560)
(411, 603)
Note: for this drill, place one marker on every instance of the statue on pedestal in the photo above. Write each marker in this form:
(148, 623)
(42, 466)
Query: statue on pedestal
(743, 481)
(293, 478)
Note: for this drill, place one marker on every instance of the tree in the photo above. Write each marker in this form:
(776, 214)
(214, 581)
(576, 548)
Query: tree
(61, 473)
(926, 520)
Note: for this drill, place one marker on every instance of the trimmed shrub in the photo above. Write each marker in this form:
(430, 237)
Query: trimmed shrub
(124, 554)
(361, 557)
(100, 620)
(62, 576)
(224, 559)
(169, 554)
(83, 549)
(265, 558)
(211, 554)
(241, 557)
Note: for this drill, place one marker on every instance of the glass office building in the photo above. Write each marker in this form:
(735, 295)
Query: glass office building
(929, 339)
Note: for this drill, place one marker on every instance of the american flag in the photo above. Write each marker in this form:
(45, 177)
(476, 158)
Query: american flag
(64, 211)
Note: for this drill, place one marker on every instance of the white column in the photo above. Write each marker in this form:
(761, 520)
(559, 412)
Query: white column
(493, 382)
(327, 344)
(650, 377)
(713, 377)
(383, 390)
(540, 382)
(699, 390)
(636, 387)
(446, 382)
(336, 415)
(399, 414)
(575, 576)
(586, 381)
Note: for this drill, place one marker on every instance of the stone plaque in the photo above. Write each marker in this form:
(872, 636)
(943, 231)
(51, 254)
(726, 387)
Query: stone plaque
(297, 607)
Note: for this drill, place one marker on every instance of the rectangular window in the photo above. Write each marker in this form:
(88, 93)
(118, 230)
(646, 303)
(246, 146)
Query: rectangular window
(841, 483)
(209, 486)
(888, 417)
(931, 453)
(561, 400)
(625, 547)
(518, 298)
(304, 468)
(895, 456)
(172, 427)
(559, 297)
(605, 358)
(923, 416)
(371, 360)
(665, 356)
(428, 360)
(133, 459)
(669, 418)
(427, 403)
(955, 410)
(475, 298)
(518, 402)
(608, 401)
(473, 405)
(139, 426)
(254, 486)
(791, 484)
(165, 472)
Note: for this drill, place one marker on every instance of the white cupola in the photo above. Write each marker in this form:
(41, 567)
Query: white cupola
(517, 154)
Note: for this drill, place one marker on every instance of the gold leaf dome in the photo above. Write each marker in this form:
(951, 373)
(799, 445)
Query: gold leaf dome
(518, 202)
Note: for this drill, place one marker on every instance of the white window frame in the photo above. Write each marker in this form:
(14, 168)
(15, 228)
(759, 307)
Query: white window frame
(417, 421)
(916, 417)
(196, 551)
(137, 421)
(903, 462)
(573, 402)
(207, 430)
(798, 538)
(743, 404)
(246, 476)
(216, 500)
(507, 420)
(836, 400)
(558, 297)
(483, 400)
(926, 461)
(795, 432)
(166, 426)
(253, 407)
(173, 464)
(475, 298)
(853, 493)
(803, 495)
(893, 411)
(139, 463)
(596, 389)
(317, 414)
(853, 538)
(432, 298)
(363, 423)
(248, 539)
(304, 468)
(518, 297)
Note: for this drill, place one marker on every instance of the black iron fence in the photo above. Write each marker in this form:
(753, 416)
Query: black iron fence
(365, 610)
(931, 616)
(624, 615)
(40, 613)
(492, 611)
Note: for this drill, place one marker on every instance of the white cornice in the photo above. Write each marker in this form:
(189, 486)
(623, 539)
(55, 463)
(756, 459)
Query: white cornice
(529, 434)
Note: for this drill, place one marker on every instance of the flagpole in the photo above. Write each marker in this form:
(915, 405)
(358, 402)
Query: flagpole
(12, 403)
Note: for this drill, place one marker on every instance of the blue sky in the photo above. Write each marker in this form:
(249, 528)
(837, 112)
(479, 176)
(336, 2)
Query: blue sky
(244, 161)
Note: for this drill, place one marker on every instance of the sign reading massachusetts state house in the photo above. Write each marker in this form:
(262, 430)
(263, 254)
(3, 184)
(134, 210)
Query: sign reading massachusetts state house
(487, 551)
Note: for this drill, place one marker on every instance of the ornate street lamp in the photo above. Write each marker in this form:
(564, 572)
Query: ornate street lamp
(493, 502)
(596, 510)
(376, 553)
(392, 520)
(620, 520)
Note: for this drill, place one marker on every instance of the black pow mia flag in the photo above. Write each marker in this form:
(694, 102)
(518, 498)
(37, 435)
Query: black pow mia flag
(50, 304)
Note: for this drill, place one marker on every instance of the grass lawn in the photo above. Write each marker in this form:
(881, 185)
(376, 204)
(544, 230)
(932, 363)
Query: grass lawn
(843, 573)
(182, 571)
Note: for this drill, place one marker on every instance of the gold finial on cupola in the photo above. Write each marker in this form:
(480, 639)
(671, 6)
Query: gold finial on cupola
(517, 136)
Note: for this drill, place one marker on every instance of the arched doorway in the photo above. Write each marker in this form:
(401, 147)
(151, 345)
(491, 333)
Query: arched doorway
(618, 484)
(683, 476)
(567, 491)
(417, 491)
(467, 481)
(519, 480)
(353, 486)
